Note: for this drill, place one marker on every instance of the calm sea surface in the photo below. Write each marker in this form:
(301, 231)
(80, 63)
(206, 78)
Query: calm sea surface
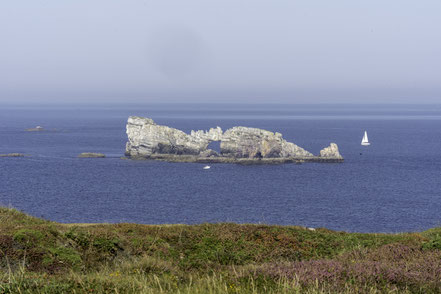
(394, 185)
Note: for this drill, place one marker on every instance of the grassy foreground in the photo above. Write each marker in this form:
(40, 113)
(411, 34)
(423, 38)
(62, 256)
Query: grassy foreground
(39, 256)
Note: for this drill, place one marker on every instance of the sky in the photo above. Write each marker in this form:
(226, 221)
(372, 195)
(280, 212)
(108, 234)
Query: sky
(287, 51)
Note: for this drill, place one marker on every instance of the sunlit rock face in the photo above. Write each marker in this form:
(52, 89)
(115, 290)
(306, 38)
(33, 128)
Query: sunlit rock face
(331, 152)
(242, 142)
(214, 134)
(146, 139)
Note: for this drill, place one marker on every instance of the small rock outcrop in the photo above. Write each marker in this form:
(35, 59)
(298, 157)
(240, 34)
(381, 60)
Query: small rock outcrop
(91, 155)
(12, 155)
(146, 139)
(331, 152)
(36, 129)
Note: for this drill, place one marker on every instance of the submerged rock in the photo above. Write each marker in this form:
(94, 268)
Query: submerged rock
(91, 155)
(146, 139)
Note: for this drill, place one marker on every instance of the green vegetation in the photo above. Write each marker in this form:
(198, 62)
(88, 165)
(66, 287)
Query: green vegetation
(38, 256)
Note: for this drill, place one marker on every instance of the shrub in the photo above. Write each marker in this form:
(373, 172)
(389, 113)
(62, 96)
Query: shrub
(28, 237)
(433, 243)
(110, 246)
(66, 255)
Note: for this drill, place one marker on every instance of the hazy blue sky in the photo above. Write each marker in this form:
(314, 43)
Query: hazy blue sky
(220, 50)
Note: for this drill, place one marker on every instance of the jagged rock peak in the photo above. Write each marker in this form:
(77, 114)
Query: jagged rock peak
(214, 134)
(139, 121)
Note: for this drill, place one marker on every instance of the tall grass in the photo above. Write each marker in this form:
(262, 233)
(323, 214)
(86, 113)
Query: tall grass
(38, 256)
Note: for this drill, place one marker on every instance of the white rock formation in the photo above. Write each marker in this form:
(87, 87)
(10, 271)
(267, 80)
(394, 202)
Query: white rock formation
(243, 142)
(331, 152)
(147, 139)
(214, 134)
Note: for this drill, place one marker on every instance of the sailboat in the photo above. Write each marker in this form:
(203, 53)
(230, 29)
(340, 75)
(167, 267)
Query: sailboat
(365, 141)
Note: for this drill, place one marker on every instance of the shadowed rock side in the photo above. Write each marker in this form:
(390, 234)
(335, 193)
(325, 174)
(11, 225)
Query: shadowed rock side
(146, 139)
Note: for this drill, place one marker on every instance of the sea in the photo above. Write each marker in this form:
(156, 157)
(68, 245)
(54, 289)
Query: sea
(393, 185)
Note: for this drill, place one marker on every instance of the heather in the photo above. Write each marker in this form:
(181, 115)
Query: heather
(39, 256)
(397, 265)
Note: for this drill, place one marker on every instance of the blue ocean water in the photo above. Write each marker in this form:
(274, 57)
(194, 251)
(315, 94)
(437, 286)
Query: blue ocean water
(394, 185)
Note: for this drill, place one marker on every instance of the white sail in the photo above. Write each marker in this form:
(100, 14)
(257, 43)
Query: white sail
(365, 140)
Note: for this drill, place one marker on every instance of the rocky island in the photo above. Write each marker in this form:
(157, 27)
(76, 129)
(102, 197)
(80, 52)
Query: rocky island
(147, 140)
